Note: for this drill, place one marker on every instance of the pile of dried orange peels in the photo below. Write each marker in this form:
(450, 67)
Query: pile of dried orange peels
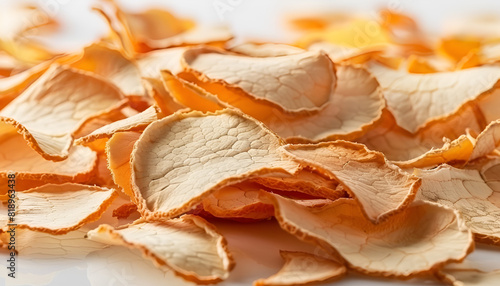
(367, 137)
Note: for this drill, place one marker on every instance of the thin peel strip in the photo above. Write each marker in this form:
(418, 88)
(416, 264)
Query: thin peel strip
(188, 245)
(47, 208)
(172, 156)
(393, 248)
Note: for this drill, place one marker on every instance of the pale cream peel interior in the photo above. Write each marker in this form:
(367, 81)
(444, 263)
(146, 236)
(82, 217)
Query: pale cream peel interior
(353, 108)
(182, 158)
(114, 66)
(151, 64)
(239, 201)
(133, 123)
(417, 99)
(292, 83)
(418, 240)
(58, 209)
(487, 141)
(52, 109)
(305, 181)
(33, 170)
(188, 245)
(380, 187)
(12, 86)
(437, 143)
(474, 193)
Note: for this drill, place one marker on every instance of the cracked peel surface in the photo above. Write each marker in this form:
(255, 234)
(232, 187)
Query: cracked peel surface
(475, 193)
(291, 83)
(417, 240)
(58, 209)
(51, 110)
(188, 245)
(380, 187)
(182, 158)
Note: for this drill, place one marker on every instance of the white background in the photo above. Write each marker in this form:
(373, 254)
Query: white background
(263, 20)
(250, 19)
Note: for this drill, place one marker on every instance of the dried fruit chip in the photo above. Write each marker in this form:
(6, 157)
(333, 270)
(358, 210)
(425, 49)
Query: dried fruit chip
(143, 31)
(314, 203)
(349, 200)
(97, 122)
(56, 105)
(112, 65)
(474, 193)
(456, 151)
(433, 145)
(151, 64)
(16, 23)
(134, 123)
(188, 245)
(418, 99)
(304, 181)
(58, 209)
(303, 268)
(119, 36)
(354, 108)
(239, 201)
(11, 87)
(291, 83)
(181, 159)
(103, 176)
(415, 241)
(487, 140)
(33, 170)
(380, 187)
(428, 151)
(165, 101)
(118, 150)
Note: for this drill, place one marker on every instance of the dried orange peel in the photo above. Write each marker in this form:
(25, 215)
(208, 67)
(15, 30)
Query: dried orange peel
(205, 258)
(58, 209)
(393, 248)
(367, 138)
